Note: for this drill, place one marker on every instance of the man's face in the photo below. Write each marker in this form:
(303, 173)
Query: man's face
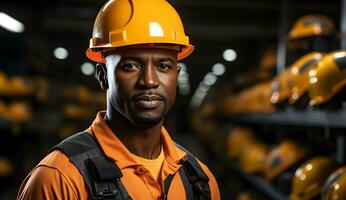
(142, 83)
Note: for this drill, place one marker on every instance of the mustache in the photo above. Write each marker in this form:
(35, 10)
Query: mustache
(152, 94)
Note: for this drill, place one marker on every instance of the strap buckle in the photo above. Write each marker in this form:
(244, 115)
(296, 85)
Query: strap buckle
(106, 177)
(105, 189)
(195, 174)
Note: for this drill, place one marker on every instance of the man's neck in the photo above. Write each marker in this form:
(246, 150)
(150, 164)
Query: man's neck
(143, 141)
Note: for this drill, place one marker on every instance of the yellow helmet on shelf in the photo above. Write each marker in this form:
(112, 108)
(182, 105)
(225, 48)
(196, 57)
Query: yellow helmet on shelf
(261, 98)
(19, 111)
(283, 157)
(74, 111)
(300, 75)
(335, 186)
(312, 25)
(135, 22)
(238, 138)
(6, 167)
(328, 78)
(309, 178)
(253, 157)
(280, 88)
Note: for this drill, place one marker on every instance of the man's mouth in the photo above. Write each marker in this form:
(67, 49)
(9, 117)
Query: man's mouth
(148, 98)
(148, 101)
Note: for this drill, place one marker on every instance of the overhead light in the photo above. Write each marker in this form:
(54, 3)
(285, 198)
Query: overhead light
(312, 73)
(313, 80)
(88, 69)
(229, 55)
(61, 53)
(219, 69)
(339, 54)
(210, 79)
(11, 24)
(184, 90)
(198, 97)
(183, 79)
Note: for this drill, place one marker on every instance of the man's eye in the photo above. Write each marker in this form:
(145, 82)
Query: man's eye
(163, 67)
(130, 67)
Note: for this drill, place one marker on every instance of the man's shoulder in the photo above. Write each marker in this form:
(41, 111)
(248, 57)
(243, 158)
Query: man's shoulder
(54, 175)
(57, 160)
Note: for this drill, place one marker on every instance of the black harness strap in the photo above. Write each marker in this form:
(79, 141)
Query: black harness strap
(187, 185)
(101, 174)
(168, 182)
(194, 179)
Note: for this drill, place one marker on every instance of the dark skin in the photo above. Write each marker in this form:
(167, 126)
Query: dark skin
(141, 89)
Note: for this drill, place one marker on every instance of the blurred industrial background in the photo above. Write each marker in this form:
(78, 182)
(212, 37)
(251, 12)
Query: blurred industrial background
(261, 99)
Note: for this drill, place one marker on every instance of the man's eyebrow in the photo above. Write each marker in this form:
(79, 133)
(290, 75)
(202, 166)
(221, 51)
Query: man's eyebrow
(137, 59)
(165, 59)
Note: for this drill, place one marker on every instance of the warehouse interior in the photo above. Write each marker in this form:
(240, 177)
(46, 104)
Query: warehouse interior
(261, 100)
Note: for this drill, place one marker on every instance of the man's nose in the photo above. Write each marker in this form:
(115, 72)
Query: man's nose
(148, 77)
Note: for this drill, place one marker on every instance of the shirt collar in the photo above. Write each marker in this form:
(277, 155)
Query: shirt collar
(116, 150)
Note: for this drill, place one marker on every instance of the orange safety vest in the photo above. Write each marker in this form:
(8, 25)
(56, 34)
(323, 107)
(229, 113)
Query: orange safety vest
(55, 177)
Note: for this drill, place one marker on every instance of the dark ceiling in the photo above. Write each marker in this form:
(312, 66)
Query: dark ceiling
(248, 26)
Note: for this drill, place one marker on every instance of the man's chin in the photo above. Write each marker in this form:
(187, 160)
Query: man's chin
(146, 121)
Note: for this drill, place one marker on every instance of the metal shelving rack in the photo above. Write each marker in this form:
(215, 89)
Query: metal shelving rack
(309, 118)
(259, 183)
(316, 118)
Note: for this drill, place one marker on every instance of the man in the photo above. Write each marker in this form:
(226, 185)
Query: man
(127, 153)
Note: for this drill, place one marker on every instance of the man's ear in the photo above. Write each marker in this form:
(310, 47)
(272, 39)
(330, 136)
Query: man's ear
(179, 68)
(101, 73)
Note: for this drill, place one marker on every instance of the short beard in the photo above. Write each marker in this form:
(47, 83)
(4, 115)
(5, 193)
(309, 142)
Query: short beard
(147, 121)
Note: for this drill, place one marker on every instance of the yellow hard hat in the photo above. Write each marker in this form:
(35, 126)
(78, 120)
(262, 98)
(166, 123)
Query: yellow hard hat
(253, 157)
(283, 157)
(261, 96)
(309, 178)
(6, 167)
(300, 75)
(19, 111)
(280, 88)
(238, 138)
(74, 111)
(3, 83)
(311, 25)
(19, 85)
(255, 99)
(134, 22)
(328, 78)
(335, 186)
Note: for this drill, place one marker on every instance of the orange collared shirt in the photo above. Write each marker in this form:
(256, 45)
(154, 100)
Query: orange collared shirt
(153, 165)
(55, 177)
